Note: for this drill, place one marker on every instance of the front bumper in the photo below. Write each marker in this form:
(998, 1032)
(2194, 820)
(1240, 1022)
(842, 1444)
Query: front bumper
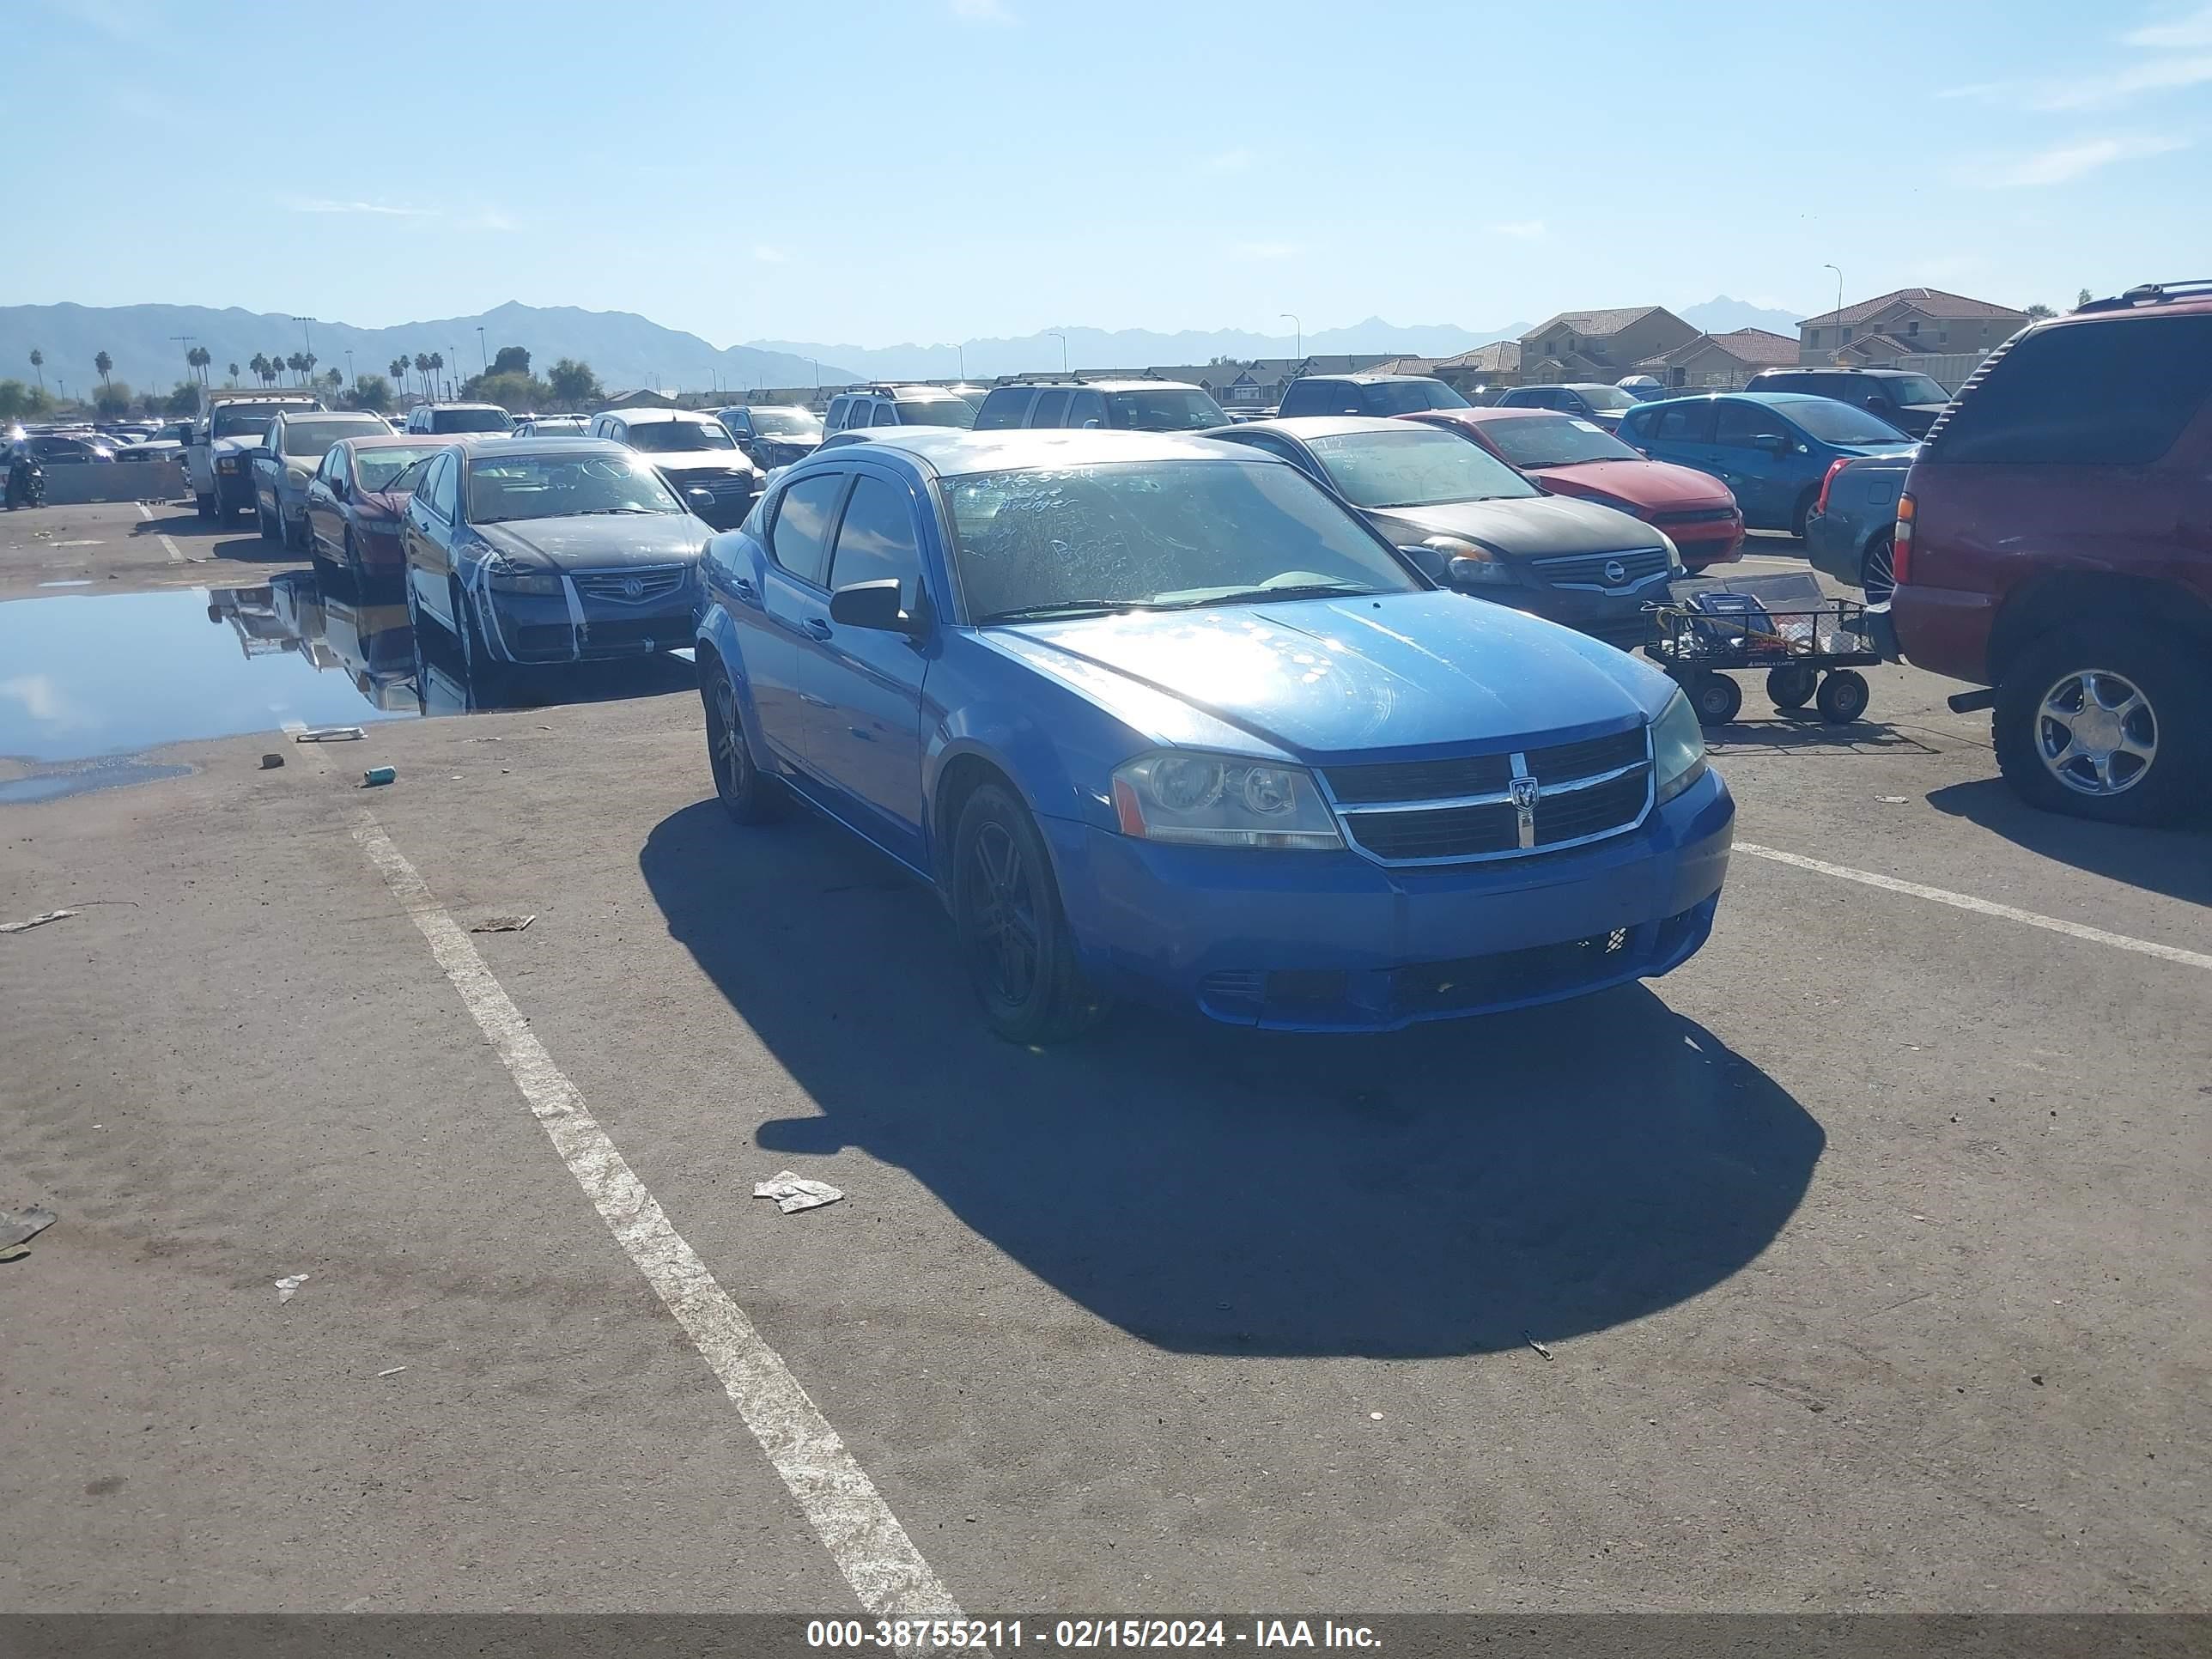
(1292, 941)
(528, 629)
(236, 490)
(1720, 542)
(1619, 619)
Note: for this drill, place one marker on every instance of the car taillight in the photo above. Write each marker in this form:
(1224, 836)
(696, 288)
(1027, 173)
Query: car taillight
(1900, 541)
(1827, 481)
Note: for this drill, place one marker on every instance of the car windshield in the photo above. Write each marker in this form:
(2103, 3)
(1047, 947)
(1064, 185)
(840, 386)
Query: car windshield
(1156, 535)
(1404, 397)
(236, 420)
(937, 412)
(377, 469)
(1555, 440)
(1164, 411)
(785, 422)
(315, 437)
(1418, 467)
(553, 486)
(554, 425)
(674, 437)
(471, 420)
(1833, 422)
(1915, 389)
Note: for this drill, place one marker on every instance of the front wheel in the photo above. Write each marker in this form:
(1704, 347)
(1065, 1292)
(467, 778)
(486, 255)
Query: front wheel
(1802, 513)
(489, 679)
(2107, 721)
(1021, 955)
(747, 794)
(266, 525)
(205, 506)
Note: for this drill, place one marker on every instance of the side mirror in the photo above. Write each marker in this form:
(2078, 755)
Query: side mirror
(341, 490)
(702, 500)
(874, 605)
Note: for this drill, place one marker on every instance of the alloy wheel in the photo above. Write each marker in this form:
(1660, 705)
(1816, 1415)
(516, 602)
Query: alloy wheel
(1004, 912)
(1880, 577)
(725, 742)
(2096, 733)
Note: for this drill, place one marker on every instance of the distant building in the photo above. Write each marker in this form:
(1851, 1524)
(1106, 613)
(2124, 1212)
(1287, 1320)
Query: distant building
(1721, 359)
(1497, 364)
(1908, 323)
(1598, 346)
(639, 398)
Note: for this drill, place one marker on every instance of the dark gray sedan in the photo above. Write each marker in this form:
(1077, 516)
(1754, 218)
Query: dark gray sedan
(1847, 534)
(550, 551)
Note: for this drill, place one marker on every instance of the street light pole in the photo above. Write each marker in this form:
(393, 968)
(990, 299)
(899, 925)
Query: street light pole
(962, 351)
(351, 375)
(1062, 338)
(1839, 301)
(482, 352)
(307, 332)
(1301, 328)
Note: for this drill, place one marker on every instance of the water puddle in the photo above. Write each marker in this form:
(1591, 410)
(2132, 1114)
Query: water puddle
(86, 677)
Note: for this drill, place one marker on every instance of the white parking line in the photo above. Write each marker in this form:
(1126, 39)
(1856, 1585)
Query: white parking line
(176, 554)
(864, 1539)
(1981, 906)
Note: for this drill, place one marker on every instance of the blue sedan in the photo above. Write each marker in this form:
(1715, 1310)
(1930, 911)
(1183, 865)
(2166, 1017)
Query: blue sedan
(1771, 448)
(1158, 717)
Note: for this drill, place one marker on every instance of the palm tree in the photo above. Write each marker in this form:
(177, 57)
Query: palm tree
(234, 374)
(437, 360)
(198, 358)
(39, 362)
(423, 368)
(398, 367)
(297, 363)
(103, 363)
(307, 364)
(259, 365)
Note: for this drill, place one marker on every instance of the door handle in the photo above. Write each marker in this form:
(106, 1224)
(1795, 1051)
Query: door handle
(744, 590)
(817, 627)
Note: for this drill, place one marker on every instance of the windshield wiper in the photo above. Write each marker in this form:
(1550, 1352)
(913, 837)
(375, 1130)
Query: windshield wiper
(1064, 607)
(596, 512)
(1289, 591)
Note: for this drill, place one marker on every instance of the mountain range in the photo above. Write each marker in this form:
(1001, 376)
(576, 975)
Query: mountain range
(626, 349)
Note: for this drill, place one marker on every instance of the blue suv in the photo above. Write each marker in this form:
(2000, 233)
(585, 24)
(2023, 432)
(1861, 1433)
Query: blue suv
(1158, 717)
(1771, 448)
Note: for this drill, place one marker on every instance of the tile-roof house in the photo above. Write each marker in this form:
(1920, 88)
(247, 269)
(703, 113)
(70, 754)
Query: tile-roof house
(1599, 345)
(1906, 321)
(1729, 359)
(1497, 363)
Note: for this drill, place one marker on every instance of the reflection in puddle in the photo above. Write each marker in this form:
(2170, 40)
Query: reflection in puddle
(85, 676)
(83, 779)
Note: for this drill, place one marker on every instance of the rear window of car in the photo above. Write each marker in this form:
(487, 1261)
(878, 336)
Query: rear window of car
(471, 420)
(315, 437)
(1404, 397)
(2115, 394)
(1166, 410)
(1003, 409)
(936, 411)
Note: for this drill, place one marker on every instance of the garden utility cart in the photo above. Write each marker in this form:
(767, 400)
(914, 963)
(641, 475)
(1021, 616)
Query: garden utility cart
(1810, 646)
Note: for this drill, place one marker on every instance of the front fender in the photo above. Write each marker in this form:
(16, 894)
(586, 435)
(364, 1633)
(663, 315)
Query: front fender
(717, 633)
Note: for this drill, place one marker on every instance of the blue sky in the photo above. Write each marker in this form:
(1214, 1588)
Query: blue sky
(876, 171)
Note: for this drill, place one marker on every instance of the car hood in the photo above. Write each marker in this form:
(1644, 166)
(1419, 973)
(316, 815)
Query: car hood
(703, 460)
(1650, 486)
(1538, 526)
(234, 445)
(1336, 679)
(593, 543)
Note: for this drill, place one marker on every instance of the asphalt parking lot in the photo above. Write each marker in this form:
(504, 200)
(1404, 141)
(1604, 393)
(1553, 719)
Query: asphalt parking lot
(1858, 1265)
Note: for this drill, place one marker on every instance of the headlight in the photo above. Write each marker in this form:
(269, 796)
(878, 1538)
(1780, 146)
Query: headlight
(228, 464)
(1674, 553)
(1482, 568)
(1678, 748)
(512, 576)
(1213, 800)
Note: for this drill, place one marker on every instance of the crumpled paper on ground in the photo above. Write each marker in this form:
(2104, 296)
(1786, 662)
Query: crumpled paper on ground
(795, 1192)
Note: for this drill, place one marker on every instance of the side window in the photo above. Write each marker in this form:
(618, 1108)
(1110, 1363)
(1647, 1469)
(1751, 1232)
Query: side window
(1744, 426)
(1283, 450)
(835, 421)
(2107, 393)
(1086, 409)
(886, 413)
(421, 494)
(1690, 421)
(1003, 408)
(1051, 409)
(876, 540)
(446, 493)
(801, 542)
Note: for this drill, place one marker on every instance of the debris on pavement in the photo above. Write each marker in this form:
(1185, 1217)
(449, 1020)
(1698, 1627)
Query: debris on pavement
(394, 1372)
(1534, 1343)
(38, 920)
(14, 1252)
(378, 774)
(289, 1287)
(329, 734)
(796, 1192)
(21, 1227)
(1891, 800)
(270, 763)
(504, 924)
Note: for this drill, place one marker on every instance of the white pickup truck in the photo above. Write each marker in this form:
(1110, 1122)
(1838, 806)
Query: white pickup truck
(219, 454)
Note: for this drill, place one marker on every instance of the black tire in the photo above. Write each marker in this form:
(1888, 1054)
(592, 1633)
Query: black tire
(489, 679)
(1792, 687)
(268, 528)
(1843, 697)
(1877, 579)
(1802, 513)
(205, 506)
(1012, 931)
(2176, 717)
(748, 794)
(1717, 697)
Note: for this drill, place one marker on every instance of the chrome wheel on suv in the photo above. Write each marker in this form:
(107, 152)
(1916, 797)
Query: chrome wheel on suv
(2096, 731)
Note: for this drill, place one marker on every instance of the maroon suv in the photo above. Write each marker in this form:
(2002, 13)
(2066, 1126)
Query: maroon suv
(2054, 542)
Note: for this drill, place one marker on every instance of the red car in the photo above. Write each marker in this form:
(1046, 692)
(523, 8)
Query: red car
(2054, 542)
(1572, 457)
(353, 511)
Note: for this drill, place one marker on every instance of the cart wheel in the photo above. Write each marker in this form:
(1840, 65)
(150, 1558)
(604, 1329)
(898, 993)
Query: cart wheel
(1791, 688)
(1717, 698)
(1843, 697)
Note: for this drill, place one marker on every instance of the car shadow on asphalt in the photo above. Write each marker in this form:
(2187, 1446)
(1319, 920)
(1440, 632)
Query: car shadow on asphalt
(1455, 1188)
(1809, 731)
(2175, 862)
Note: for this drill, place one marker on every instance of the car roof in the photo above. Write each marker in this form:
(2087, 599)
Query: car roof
(501, 408)
(1367, 380)
(491, 446)
(1831, 368)
(1482, 412)
(951, 451)
(1328, 426)
(634, 416)
(1777, 400)
(390, 440)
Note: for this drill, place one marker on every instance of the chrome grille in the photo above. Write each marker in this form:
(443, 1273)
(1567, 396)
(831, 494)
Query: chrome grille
(1694, 515)
(644, 585)
(1538, 800)
(1592, 569)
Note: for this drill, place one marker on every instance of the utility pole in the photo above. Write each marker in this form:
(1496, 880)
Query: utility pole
(1301, 328)
(453, 363)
